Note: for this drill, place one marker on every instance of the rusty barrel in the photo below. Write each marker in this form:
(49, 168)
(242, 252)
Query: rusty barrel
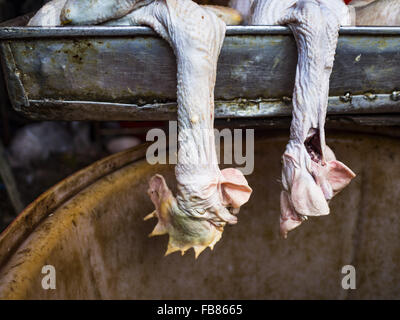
(90, 228)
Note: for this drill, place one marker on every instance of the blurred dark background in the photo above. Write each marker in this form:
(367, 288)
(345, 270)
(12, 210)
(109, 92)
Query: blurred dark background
(40, 154)
(13, 8)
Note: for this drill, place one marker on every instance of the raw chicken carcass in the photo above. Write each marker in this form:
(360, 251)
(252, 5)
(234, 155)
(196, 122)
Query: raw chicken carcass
(62, 12)
(311, 175)
(207, 198)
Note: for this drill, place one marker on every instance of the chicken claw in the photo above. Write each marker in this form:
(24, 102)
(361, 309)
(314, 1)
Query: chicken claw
(184, 230)
(189, 225)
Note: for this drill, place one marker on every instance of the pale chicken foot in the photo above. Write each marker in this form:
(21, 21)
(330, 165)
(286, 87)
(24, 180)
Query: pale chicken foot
(207, 198)
(311, 175)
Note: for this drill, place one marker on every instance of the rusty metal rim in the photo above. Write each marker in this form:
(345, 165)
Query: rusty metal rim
(48, 202)
(7, 33)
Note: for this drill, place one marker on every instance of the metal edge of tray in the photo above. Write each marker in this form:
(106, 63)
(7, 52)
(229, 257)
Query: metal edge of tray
(14, 33)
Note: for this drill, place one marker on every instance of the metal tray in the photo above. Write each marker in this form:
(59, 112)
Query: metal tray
(129, 73)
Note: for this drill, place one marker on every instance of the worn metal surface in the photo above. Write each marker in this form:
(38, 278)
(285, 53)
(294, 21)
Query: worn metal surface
(90, 228)
(129, 73)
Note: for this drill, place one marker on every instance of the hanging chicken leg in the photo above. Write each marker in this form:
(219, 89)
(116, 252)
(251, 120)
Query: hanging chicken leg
(311, 175)
(207, 198)
(196, 217)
